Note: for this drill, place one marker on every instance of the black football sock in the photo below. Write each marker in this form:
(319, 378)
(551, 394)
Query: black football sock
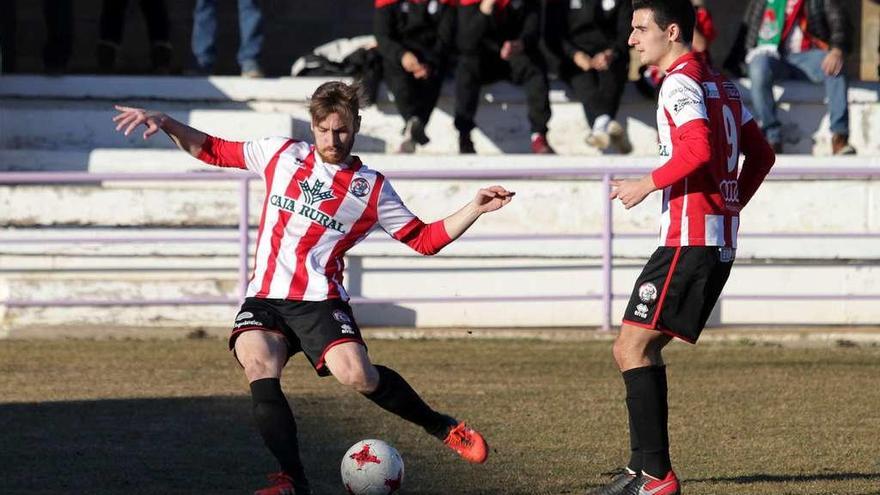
(278, 428)
(395, 395)
(635, 452)
(646, 403)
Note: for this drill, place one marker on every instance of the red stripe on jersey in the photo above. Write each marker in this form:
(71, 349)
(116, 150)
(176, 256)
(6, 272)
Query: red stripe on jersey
(341, 182)
(335, 263)
(665, 287)
(270, 176)
(216, 151)
(292, 191)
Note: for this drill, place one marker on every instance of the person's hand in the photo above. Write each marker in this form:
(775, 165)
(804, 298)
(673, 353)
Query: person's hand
(602, 60)
(486, 6)
(631, 192)
(833, 62)
(583, 61)
(129, 118)
(511, 48)
(411, 64)
(492, 198)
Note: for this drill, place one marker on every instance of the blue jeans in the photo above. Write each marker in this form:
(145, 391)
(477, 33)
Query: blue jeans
(764, 69)
(250, 22)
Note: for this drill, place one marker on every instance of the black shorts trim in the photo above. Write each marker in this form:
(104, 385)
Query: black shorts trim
(678, 288)
(321, 364)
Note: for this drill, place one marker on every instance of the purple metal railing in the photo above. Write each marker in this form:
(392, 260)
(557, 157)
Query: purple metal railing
(607, 235)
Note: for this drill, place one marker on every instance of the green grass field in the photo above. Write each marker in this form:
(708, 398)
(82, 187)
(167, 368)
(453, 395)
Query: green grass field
(173, 417)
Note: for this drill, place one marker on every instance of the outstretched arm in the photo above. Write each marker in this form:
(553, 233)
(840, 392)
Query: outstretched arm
(430, 238)
(487, 200)
(184, 136)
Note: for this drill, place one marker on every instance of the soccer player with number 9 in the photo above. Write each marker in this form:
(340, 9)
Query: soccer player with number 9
(703, 127)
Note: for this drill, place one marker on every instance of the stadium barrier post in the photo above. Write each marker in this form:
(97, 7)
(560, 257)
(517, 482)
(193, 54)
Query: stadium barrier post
(243, 235)
(606, 252)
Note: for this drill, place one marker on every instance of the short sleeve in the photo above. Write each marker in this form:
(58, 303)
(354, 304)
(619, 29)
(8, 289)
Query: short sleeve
(258, 153)
(683, 99)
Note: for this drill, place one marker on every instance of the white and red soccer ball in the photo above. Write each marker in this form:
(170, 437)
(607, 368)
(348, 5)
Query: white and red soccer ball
(372, 467)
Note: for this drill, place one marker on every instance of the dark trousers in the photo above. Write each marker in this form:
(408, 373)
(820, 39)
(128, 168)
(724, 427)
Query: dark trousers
(474, 70)
(412, 97)
(59, 26)
(598, 91)
(7, 34)
(113, 20)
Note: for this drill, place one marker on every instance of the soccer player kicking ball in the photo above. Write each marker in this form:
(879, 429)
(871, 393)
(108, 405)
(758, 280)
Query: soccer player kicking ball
(320, 201)
(703, 126)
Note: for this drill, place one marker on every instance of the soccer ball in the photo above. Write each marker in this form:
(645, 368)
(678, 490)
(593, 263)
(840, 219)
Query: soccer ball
(372, 467)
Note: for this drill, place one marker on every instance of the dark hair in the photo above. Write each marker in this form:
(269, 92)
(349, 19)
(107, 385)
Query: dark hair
(668, 12)
(335, 97)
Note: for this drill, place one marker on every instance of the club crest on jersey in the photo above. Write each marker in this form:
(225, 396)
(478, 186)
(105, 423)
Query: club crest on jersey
(359, 187)
(313, 193)
(648, 292)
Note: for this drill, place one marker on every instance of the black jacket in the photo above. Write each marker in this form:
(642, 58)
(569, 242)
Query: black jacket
(586, 25)
(826, 20)
(510, 20)
(424, 27)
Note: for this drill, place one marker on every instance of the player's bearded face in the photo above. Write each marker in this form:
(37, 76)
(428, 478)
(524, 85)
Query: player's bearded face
(647, 38)
(334, 137)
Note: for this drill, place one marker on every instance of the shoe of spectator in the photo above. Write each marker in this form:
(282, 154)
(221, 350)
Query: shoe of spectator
(540, 146)
(106, 55)
(465, 145)
(618, 137)
(413, 134)
(251, 70)
(160, 56)
(599, 140)
(840, 145)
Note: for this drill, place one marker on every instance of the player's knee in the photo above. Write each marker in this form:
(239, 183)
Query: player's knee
(363, 379)
(259, 367)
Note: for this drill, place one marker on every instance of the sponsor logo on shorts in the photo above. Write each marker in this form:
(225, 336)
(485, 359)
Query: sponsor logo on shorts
(248, 323)
(340, 316)
(347, 329)
(244, 315)
(641, 311)
(648, 292)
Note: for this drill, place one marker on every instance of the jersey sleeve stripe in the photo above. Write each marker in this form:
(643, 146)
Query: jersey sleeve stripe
(222, 153)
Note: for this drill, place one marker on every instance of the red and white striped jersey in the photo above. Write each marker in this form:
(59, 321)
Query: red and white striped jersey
(701, 208)
(313, 213)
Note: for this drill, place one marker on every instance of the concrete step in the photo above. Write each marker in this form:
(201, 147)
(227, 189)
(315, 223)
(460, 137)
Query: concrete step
(503, 126)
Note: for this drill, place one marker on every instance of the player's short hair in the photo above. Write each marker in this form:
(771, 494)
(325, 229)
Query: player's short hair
(335, 97)
(668, 12)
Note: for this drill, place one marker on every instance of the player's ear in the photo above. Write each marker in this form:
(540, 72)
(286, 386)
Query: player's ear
(674, 32)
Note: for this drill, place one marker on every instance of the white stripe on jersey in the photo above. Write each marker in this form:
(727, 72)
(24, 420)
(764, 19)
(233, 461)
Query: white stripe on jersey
(685, 231)
(714, 230)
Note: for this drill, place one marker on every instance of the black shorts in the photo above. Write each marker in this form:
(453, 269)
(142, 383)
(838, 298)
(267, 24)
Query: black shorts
(678, 288)
(312, 327)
